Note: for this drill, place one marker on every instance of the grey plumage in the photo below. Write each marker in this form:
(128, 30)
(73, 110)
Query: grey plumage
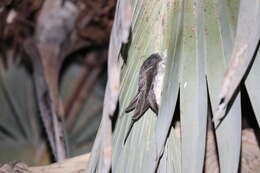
(145, 97)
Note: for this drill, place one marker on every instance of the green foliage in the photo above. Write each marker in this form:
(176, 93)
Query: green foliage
(198, 38)
(21, 131)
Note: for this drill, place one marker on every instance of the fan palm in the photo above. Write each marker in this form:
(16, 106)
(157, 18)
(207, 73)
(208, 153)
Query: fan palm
(201, 40)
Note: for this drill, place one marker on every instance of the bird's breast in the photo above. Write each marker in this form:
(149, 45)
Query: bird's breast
(158, 82)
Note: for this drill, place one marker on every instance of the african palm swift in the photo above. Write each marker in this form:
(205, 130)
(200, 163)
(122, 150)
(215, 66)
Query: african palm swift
(145, 97)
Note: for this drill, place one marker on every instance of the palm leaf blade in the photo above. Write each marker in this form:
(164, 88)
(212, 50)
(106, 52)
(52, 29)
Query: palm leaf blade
(193, 91)
(253, 86)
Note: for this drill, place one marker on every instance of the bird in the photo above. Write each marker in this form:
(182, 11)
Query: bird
(145, 97)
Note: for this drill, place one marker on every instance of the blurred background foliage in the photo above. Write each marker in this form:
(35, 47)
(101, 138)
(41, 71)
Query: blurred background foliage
(81, 76)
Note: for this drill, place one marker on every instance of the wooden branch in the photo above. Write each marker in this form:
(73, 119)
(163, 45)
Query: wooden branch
(74, 165)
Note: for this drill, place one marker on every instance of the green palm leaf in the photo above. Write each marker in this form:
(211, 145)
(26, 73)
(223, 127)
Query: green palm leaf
(197, 37)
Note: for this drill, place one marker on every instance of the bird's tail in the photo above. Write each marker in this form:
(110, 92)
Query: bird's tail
(129, 130)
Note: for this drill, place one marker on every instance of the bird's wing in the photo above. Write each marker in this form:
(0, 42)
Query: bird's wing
(152, 101)
(141, 106)
(132, 104)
